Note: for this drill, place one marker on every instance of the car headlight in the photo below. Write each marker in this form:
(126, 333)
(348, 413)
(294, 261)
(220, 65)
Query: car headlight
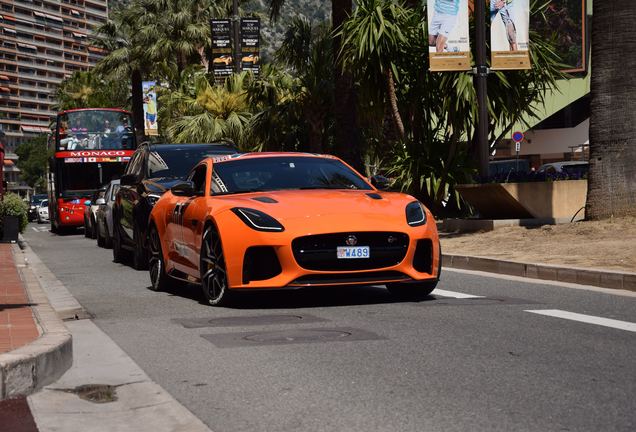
(258, 220)
(415, 214)
(153, 198)
(32, 207)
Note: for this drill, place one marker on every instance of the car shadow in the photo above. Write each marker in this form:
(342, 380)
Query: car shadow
(314, 297)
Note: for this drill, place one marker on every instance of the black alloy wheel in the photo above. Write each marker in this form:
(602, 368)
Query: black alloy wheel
(213, 270)
(159, 279)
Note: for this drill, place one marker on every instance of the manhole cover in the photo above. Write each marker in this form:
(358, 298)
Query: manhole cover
(297, 336)
(97, 393)
(250, 320)
(292, 336)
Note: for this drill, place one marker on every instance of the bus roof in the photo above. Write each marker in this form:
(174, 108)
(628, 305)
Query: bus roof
(93, 109)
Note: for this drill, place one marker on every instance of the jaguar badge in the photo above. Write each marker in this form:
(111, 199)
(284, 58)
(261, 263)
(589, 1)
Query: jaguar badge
(351, 240)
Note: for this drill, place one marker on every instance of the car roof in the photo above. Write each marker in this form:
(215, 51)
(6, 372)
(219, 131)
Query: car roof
(260, 155)
(222, 147)
(564, 163)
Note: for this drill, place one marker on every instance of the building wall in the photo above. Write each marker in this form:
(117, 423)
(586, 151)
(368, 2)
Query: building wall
(41, 43)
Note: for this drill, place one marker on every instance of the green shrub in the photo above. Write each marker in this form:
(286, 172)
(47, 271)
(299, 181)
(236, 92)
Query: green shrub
(14, 206)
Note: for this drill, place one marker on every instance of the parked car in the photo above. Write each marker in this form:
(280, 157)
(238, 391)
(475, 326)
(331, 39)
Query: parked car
(90, 208)
(152, 170)
(104, 215)
(33, 206)
(289, 220)
(43, 211)
(570, 169)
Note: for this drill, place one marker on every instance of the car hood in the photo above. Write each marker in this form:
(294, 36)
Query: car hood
(332, 204)
(160, 185)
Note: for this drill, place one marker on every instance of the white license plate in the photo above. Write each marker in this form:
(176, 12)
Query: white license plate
(353, 252)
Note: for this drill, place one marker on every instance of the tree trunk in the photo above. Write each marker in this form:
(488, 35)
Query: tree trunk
(612, 174)
(395, 112)
(138, 104)
(347, 136)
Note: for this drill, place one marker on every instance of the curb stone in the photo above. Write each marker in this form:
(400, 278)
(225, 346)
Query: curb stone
(43, 361)
(600, 278)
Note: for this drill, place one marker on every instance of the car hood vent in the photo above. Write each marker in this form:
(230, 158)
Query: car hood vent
(265, 199)
(374, 196)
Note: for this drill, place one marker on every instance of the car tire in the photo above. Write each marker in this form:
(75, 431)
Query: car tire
(416, 290)
(87, 229)
(159, 279)
(213, 270)
(94, 231)
(140, 256)
(119, 255)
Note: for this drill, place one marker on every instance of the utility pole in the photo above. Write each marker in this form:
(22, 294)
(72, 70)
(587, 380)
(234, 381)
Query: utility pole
(481, 87)
(236, 20)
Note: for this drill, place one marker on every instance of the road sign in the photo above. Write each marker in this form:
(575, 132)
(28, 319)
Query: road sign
(517, 136)
(517, 146)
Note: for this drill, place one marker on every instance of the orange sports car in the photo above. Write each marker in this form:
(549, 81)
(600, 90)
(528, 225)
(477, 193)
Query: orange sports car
(289, 220)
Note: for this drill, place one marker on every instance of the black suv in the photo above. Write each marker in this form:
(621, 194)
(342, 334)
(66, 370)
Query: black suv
(152, 170)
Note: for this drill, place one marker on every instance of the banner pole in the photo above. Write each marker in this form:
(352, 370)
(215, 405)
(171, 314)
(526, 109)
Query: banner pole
(237, 39)
(481, 88)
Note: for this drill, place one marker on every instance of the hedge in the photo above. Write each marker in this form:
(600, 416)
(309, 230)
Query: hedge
(14, 206)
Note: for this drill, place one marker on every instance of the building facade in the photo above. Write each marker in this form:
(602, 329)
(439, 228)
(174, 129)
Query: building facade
(41, 43)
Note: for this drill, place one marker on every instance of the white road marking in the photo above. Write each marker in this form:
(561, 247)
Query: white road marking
(35, 229)
(589, 319)
(454, 294)
(611, 291)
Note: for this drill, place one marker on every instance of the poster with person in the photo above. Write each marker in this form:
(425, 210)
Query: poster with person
(509, 34)
(151, 127)
(448, 36)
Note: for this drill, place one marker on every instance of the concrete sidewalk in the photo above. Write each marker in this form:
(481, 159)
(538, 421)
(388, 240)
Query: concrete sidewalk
(35, 346)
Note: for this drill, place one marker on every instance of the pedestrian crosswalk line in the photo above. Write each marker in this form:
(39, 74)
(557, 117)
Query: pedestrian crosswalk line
(454, 294)
(589, 319)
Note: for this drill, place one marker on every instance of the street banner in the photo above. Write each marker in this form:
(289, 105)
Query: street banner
(448, 37)
(222, 61)
(151, 126)
(509, 34)
(250, 45)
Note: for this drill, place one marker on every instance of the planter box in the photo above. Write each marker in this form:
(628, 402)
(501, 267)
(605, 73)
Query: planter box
(10, 229)
(555, 200)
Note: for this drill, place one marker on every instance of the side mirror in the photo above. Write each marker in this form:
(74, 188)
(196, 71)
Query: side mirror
(128, 180)
(185, 188)
(87, 202)
(100, 201)
(380, 182)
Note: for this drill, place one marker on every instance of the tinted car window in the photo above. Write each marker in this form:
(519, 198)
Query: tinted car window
(177, 162)
(277, 173)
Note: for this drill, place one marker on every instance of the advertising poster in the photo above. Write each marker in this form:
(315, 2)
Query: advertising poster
(448, 37)
(509, 34)
(222, 61)
(250, 45)
(151, 127)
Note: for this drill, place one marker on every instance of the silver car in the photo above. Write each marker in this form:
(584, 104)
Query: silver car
(104, 215)
(43, 211)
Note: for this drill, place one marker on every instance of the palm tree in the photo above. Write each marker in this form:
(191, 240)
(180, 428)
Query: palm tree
(200, 111)
(347, 139)
(85, 89)
(306, 49)
(612, 175)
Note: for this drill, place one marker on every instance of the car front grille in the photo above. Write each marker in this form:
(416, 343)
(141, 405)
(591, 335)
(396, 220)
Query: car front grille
(319, 252)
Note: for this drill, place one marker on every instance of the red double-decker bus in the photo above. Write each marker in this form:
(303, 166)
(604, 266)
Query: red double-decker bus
(92, 147)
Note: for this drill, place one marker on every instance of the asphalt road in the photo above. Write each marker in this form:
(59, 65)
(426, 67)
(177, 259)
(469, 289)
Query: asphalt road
(354, 359)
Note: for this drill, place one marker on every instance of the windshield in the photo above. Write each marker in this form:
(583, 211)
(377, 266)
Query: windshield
(285, 172)
(177, 162)
(81, 180)
(37, 199)
(95, 130)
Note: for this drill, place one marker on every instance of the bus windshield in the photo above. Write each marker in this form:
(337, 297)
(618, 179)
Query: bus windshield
(80, 180)
(95, 130)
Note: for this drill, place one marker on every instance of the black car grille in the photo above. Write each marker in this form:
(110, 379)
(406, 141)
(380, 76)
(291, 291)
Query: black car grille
(319, 252)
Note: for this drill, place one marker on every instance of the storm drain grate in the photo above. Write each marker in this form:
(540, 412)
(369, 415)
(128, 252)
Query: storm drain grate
(486, 301)
(244, 321)
(97, 393)
(287, 337)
